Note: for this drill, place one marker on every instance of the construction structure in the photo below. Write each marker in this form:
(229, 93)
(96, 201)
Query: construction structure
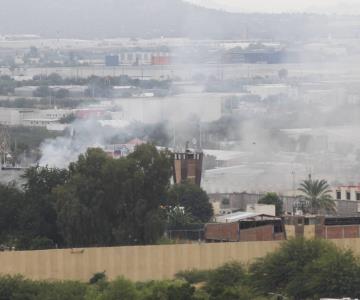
(188, 166)
(325, 227)
(245, 227)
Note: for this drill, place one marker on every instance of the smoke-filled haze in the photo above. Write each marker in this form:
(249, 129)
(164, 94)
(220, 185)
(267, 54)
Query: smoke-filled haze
(284, 6)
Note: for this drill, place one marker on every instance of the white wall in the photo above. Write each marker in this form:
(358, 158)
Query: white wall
(177, 108)
(9, 117)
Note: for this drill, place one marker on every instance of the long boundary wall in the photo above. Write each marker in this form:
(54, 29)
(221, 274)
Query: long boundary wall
(138, 263)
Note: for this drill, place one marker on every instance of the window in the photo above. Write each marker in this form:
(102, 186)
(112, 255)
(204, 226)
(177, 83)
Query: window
(348, 196)
(338, 195)
(357, 196)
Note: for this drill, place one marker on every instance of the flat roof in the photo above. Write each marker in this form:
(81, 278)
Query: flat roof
(241, 215)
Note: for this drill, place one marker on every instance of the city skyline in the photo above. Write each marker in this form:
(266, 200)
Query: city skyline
(283, 6)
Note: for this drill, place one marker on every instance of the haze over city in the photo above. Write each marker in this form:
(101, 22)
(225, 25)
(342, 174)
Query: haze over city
(180, 149)
(284, 6)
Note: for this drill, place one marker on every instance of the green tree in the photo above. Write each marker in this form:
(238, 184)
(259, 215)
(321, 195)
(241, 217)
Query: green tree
(273, 199)
(194, 200)
(42, 91)
(335, 274)
(82, 208)
(318, 194)
(39, 218)
(288, 270)
(11, 207)
(227, 282)
(166, 290)
(108, 201)
(68, 119)
(178, 217)
(62, 93)
(120, 289)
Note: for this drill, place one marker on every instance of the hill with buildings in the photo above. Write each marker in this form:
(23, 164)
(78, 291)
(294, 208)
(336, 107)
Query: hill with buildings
(168, 18)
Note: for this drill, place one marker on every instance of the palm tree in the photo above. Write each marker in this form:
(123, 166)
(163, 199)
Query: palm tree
(317, 193)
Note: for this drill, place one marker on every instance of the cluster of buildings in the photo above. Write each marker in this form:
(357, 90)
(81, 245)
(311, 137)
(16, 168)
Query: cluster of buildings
(32, 117)
(239, 217)
(136, 57)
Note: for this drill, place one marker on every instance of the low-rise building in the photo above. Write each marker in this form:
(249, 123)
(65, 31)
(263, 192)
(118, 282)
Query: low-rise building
(10, 117)
(347, 192)
(31, 117)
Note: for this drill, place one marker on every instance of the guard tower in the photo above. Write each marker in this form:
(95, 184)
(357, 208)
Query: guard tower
(188, 166)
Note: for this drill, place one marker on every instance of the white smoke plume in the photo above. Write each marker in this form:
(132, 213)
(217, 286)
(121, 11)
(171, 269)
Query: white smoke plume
(63, 150)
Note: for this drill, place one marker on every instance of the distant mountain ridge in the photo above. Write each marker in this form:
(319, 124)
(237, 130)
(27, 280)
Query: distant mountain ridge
(156, 18)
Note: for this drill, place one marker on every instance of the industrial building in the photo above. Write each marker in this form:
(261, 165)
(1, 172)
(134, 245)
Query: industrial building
(112, 60)
(31, 117)
(140, 57)
(245, 227)
(188, 166)
(224, 203)
(328, 227)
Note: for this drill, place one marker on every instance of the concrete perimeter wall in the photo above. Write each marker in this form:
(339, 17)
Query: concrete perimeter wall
(136, 263)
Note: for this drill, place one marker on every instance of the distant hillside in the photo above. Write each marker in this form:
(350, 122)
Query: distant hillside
(155, 18)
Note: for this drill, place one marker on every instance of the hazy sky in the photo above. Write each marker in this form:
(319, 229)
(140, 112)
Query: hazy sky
(318, 6)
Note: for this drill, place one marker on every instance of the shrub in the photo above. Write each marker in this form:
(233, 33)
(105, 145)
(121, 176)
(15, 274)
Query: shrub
(305, 268)
(100, 276)
(228, 279)
(17, 288)
(120, 289)
(194, 276)
(167, 290)
(66, 290)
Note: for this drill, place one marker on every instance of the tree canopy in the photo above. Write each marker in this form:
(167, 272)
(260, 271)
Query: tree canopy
(193, 199)
(308, 269)
(107, 201)
(97, 201)
(273, 199)
(318, 194)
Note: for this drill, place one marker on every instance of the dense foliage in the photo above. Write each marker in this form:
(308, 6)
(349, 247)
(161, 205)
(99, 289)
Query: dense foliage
(193, 198)
(98, 201)
(308, 269)
(97, 86)
(318, 195)
(273, 199)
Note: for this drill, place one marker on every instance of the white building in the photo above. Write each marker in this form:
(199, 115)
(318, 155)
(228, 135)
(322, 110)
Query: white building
(349, 193)
(44, 118)
(266, 90)
(207, 107)
(31, 117)
(10, 116)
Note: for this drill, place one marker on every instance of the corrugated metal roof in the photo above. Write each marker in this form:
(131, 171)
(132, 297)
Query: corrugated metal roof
(240, 215)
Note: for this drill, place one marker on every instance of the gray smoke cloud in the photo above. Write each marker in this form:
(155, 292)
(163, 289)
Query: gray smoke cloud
(82, 135)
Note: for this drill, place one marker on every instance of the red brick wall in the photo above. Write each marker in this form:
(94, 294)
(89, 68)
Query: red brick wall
(319, 231)
(263, 233)
(229, 232)
(337, 232)
(222, 232)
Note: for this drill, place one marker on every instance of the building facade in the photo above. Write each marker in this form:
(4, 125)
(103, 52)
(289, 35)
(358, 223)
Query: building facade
(347, 192)
(188, 167)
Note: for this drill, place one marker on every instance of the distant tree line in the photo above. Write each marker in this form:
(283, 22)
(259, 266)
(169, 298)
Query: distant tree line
(44, 103)
(97, 201)
(97, 86)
